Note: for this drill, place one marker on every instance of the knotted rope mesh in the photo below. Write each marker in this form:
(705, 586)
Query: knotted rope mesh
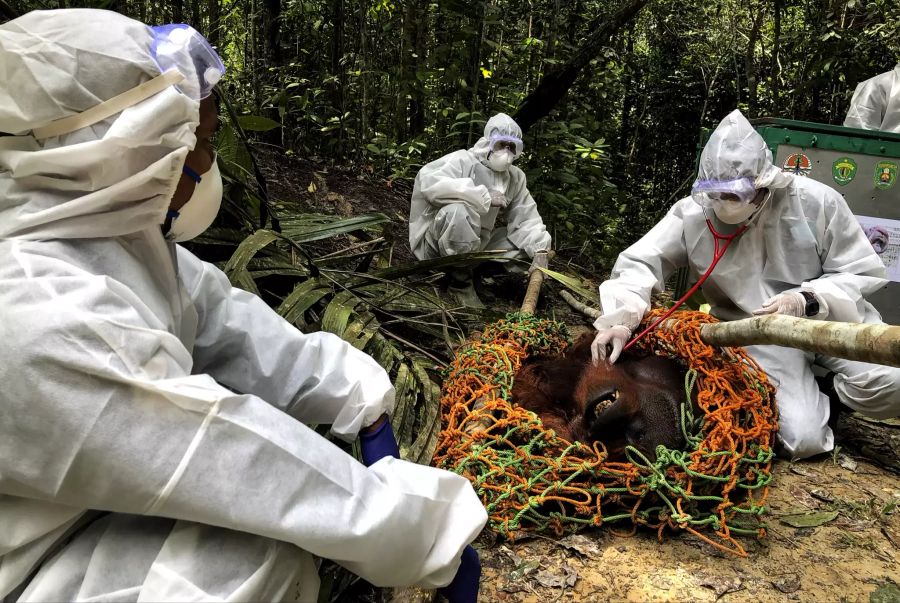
(530, 480)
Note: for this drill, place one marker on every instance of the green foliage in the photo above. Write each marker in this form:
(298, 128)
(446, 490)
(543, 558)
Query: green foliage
(386, 86)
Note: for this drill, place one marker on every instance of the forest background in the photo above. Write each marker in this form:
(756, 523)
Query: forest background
(612, 94)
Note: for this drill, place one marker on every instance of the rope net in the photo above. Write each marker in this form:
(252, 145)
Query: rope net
(531, 481)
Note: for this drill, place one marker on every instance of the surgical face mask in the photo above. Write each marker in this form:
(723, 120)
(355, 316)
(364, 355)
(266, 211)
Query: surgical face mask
(733, 212)
(500, 161)
(201, 209)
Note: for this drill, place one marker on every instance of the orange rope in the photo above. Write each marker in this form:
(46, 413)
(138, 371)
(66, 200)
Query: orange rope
(530, 480)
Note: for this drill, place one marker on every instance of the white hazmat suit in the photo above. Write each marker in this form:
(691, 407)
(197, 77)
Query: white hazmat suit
(452, 213)
(876, 103)
(805, 237)
(153, 444)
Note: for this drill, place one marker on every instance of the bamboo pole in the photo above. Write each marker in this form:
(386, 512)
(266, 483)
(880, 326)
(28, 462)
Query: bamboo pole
(533, 292)
(876, 343)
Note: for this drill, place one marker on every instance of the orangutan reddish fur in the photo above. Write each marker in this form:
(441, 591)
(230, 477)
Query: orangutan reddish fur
(636, 401)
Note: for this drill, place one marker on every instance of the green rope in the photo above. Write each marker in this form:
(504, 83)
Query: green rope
(536, 479)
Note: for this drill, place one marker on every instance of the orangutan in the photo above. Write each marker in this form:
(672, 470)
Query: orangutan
(634, 402)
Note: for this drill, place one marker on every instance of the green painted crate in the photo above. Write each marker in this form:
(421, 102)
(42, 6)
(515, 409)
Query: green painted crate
(863, 165)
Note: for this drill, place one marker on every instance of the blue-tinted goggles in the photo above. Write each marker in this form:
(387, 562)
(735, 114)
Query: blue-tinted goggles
(181, 47)
(709, 192)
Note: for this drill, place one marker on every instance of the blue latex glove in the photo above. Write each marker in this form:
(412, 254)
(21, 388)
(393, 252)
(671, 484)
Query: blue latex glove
(464, 588)
(376, 445)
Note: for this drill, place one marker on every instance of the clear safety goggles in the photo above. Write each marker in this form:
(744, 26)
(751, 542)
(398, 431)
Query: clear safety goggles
(182, 48)
(187, 61)
(512, 144)
(708, 193)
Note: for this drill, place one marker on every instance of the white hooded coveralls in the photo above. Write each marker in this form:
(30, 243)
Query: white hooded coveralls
(153, 444)
(451, 210)
(876, 103)
(805, 237)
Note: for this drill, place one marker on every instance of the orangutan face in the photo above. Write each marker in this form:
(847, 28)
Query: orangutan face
(634, 402)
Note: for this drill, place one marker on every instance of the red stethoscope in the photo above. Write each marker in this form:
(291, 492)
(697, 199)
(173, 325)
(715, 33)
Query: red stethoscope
(721, 246)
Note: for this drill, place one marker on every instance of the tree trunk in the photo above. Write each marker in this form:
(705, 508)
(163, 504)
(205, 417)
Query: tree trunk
(212, 32)
(337, 53)
(407, 70)
(627, 103)
(195, 15)
(177, 11)
(272, 25)
(417, 101)
(878, 441)
(555, 84)
(776, 48)
(254, 59)
(750, 62)
(363, 135)
(475, 69)
(554, 32)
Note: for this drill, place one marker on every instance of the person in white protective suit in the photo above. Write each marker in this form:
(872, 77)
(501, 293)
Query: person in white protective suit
(803, 254)
(458, 199)
(876, 103)
(153, 444)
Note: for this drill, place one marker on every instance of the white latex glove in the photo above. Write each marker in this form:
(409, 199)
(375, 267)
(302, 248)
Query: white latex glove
(498, 199)
(790, 303)
(541, 260)
(616, 337)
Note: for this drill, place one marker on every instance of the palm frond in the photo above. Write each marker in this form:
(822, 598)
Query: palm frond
(305, 228)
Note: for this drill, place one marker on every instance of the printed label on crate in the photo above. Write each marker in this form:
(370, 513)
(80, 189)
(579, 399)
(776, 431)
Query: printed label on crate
(885, 174)
(843, 170)
(797, 163)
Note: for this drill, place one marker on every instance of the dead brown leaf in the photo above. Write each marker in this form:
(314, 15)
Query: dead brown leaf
(721, 585)
(581, 545)
(553, 580)
(787, 583)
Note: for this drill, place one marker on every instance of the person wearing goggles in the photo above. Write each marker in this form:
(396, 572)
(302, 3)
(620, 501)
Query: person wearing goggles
(458, 199)
(795, 249)
(154, 442)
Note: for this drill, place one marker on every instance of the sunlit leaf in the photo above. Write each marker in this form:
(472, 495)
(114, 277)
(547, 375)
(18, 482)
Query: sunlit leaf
(257, 123)
(571, 284)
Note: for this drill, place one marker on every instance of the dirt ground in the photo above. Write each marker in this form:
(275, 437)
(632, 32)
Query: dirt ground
(853, 557)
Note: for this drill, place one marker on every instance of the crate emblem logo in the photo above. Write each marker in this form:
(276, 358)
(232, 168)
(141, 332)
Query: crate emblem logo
(797, 163)
(885, 174)
(843, 170)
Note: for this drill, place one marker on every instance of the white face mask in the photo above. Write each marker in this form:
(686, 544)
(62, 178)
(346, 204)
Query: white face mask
(733, 212)
(201, 209)
(499, 161)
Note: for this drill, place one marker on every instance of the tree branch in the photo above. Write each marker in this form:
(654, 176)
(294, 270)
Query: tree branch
(588, 311)
(556, 83)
